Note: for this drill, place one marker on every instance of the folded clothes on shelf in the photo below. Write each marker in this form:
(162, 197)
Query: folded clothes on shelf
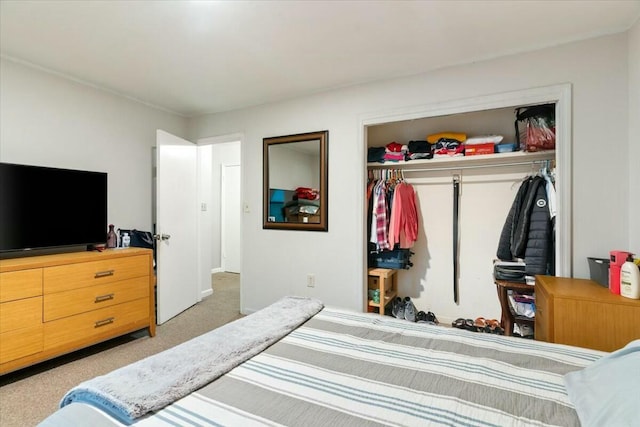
(522, 305)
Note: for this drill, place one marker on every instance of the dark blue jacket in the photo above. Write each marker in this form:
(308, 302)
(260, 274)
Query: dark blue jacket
(528, 230)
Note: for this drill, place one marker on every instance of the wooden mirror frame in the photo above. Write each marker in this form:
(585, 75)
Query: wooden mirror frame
(323, 138)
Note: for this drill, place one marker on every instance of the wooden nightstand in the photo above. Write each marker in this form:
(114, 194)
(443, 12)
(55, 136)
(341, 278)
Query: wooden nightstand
(582, 313)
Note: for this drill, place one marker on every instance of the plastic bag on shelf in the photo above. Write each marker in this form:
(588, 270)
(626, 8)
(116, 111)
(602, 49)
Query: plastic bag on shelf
(536, 127)
(522, 305)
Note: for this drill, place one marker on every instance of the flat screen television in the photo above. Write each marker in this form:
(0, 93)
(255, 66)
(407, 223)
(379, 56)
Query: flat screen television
(45, 209)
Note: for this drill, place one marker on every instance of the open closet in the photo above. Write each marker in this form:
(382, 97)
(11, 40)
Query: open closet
(453, 276)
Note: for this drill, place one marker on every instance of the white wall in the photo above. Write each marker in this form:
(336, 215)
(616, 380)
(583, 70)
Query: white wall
(634, 139)
(276, 262)
(50, 121)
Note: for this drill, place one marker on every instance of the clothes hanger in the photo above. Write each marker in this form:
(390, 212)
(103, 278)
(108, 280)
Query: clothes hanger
(550, 171)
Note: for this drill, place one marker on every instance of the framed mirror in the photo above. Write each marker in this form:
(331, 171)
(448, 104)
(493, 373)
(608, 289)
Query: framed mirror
(295, 181)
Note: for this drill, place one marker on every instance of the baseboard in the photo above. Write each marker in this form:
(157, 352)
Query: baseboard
(445, 321)
(217, 270)
(247, 311)
(206, 293)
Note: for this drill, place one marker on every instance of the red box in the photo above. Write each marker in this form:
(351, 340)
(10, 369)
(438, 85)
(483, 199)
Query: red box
(477, 149)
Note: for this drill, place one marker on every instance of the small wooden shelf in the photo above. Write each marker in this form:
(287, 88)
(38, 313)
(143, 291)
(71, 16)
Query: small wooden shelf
(508, 315)
(386, 281)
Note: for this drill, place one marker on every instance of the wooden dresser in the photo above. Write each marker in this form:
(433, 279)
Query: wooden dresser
(55, 304)
(582, 313)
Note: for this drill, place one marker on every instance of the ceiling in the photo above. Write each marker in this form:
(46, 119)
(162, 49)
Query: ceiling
(199, 57)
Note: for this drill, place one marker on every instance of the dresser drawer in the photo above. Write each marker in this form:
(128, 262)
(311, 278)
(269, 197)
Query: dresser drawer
(90, 326)
(69, 303)
(73, 276)
(20, 343)
(23, 313)
(20, 284)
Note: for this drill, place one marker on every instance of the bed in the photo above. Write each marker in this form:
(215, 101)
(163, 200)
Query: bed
(342, 368)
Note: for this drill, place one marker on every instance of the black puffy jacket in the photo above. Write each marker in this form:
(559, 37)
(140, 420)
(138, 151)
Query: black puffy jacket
(507, 235)
(530, 229)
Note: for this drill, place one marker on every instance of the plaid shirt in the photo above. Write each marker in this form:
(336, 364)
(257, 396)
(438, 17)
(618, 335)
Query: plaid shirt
(381, 217)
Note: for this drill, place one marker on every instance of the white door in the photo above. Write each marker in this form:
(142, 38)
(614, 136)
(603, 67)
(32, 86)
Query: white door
(176, 225)
(230, 220)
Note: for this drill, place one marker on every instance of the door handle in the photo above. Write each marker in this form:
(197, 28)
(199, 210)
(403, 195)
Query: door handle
(162, 236)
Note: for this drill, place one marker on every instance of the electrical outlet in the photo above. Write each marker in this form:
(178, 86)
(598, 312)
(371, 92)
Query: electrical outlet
(311, 280)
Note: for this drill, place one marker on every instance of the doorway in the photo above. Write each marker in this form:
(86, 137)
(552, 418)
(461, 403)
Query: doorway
(220, 215)
(230, 219)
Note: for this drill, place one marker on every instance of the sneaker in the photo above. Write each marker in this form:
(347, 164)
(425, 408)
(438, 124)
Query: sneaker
(432, 318)
(397, 308)
(409, 310)
(458, 323)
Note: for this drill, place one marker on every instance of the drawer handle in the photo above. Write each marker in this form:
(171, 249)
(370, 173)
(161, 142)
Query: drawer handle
(103, 273)
(104, 322)
(106, 297)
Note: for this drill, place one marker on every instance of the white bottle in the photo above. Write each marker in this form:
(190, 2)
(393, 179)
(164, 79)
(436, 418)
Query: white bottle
(630, 279)
(126, 240)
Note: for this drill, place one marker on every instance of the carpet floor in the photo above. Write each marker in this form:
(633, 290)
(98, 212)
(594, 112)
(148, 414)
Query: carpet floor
(30, 395)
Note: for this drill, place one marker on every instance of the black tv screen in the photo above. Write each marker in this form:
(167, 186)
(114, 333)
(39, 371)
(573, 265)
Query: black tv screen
(43, 207)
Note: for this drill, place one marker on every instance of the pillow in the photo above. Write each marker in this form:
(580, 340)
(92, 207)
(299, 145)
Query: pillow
(607, 392)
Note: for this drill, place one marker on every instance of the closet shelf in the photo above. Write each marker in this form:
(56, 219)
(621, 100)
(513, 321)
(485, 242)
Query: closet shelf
(516, 157)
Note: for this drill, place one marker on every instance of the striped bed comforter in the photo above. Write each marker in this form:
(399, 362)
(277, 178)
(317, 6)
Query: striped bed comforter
(352, 369)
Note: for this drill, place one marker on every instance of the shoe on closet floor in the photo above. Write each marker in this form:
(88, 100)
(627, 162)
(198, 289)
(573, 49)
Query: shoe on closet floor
(432, 318)
(481, 324)
(459, 323)
(493, 327)
(397, 308)
(409, 310)
(422, 317)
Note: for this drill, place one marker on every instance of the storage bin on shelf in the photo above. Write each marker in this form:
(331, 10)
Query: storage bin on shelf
(481, 145)
(599, 270)
(398, 259)
(479, 149)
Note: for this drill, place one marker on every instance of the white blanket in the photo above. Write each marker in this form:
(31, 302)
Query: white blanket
(152, 383)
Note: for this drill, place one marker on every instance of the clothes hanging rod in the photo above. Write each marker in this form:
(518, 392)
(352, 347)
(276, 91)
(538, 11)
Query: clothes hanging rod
(453, 168)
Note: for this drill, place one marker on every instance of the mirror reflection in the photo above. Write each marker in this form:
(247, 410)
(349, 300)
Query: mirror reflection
(295, 182)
